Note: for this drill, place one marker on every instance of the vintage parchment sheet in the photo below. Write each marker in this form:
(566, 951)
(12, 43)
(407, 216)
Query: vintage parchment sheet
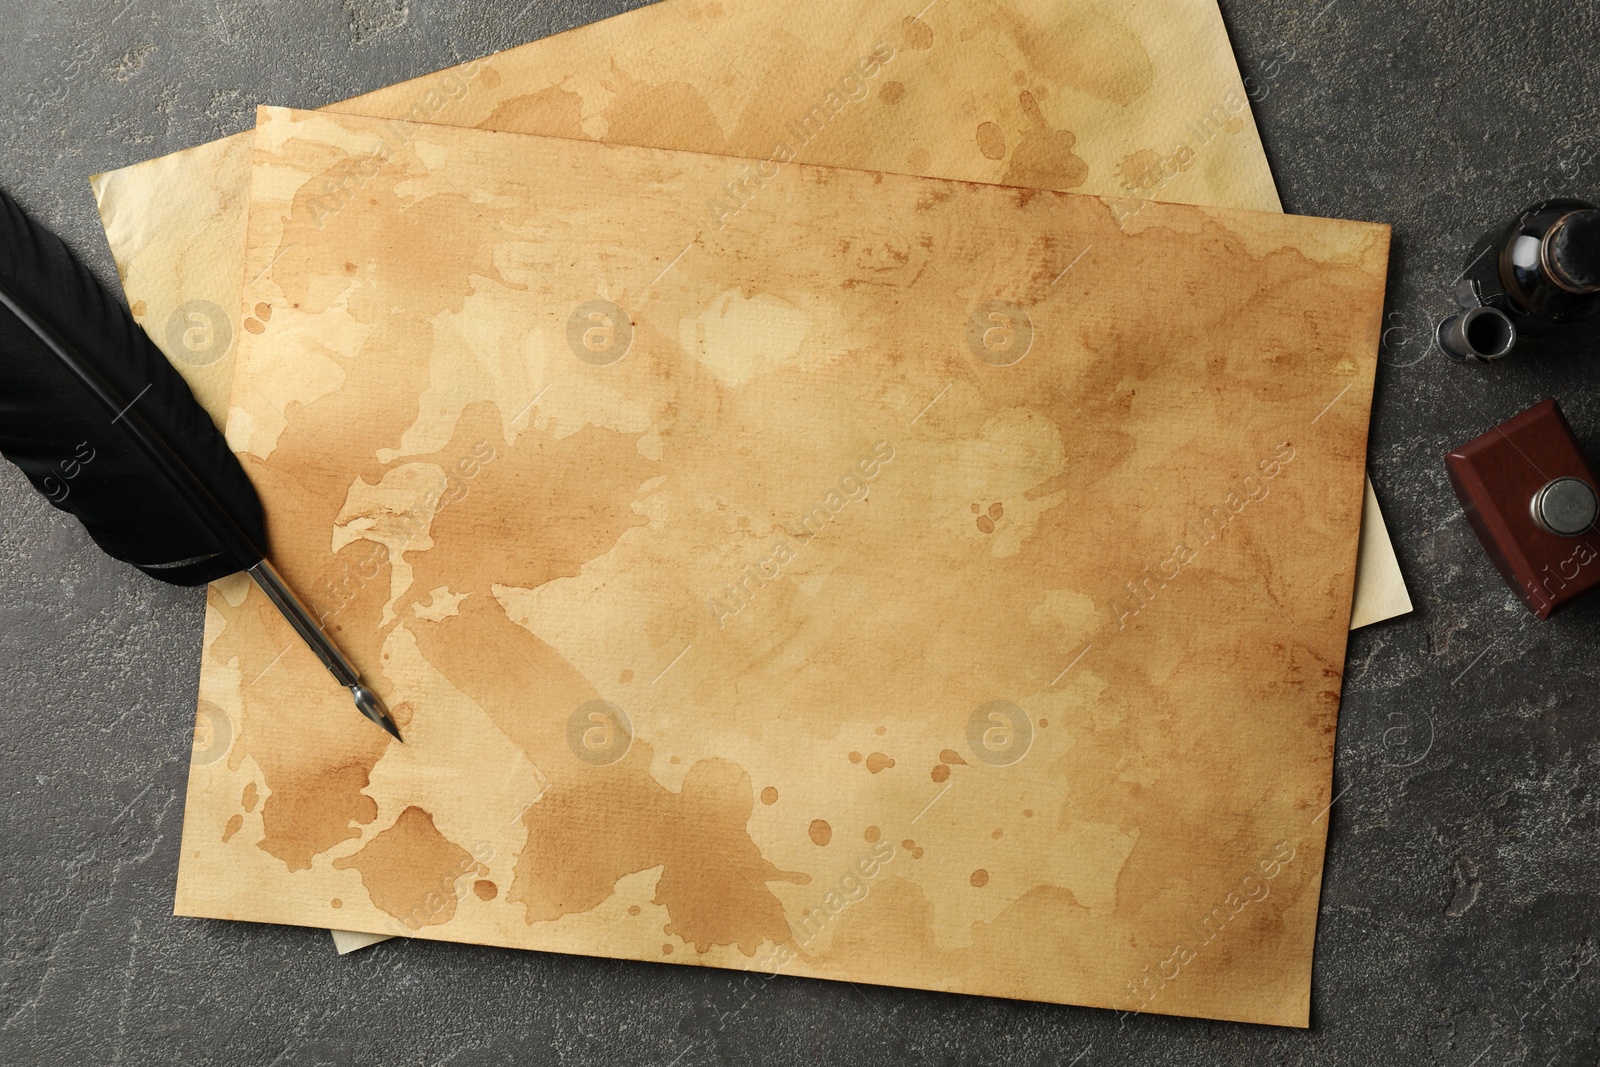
(905, 581)
(1381, 589)
(1120, 98)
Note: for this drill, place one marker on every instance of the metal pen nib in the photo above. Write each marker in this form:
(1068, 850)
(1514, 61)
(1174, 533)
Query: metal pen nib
(368, 704)
(305, 624)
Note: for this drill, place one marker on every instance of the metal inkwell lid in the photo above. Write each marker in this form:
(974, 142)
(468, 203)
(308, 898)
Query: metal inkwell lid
(1571, 252)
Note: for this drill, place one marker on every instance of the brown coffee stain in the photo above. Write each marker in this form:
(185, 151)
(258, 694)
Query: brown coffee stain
(940, 772)
(991, 142)
(998, 833)
(666, 949)
(625, 677)
(592, 829)
(402, 712)
(872, 833)
(891, 92)
(410, 870)
(552, 112)
(897, 912)
(305, 817)
(916, 33)
(138, 309)
(820, 832)
(1140, 171)
(1045, 924)
(979, 879)
(1106, 60)
(249, 796)
(536, 474)
(667, 114)
(336, 903)
(264, 312)
(950, 755)
(253, 326)
(877, 761)
(633, 909)
(855, 757)
(1044, 159)
(233, 827)
(769, 795)
(320, 236)
(485, 889)
(584, 484)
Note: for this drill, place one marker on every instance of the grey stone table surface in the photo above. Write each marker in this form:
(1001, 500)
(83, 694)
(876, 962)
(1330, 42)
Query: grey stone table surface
(1460, 918)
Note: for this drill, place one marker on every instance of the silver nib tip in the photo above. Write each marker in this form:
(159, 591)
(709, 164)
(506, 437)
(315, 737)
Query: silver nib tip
(368, 704)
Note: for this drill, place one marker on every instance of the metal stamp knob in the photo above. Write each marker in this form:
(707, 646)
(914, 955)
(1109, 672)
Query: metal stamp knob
(1565, 506)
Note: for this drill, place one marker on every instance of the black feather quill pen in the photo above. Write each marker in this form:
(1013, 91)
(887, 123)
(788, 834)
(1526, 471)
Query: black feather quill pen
(107, 430)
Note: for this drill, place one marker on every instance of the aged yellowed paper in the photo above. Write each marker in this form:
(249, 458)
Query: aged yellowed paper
(1386, 586)
(1116, 98)
(904, 581)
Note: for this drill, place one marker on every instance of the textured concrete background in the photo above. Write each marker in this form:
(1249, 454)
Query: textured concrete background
(1461, 907)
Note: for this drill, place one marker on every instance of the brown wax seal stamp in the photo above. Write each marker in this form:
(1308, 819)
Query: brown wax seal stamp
(1533, 501)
